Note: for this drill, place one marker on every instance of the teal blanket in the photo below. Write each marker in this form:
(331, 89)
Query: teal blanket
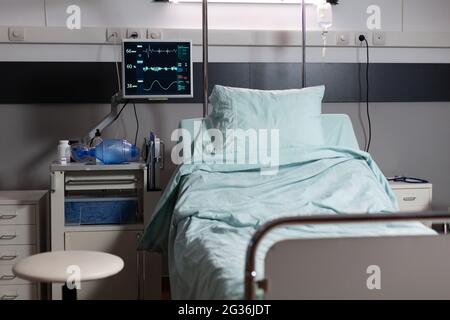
(209, 212)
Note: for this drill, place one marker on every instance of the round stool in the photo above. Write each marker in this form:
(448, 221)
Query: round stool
(67, 267)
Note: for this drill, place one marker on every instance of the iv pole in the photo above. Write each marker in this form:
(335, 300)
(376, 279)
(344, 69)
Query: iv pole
(303, 44)
(205, 52)
(205, 56)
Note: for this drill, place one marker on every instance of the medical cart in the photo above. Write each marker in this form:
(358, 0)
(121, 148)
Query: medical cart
(114, 204)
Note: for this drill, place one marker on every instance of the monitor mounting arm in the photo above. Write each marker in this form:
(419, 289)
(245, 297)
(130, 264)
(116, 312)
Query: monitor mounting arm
(116, 100)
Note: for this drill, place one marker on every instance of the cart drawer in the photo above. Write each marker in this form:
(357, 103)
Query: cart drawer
(17, 214)
(7, 276)
(12, 254)
(20, 234)
(413, 197)
(18, 292)
(104, 180)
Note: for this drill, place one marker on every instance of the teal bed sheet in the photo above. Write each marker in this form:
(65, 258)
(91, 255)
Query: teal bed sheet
(209, 212)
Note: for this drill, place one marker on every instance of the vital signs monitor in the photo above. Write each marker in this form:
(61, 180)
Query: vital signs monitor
(157, 69)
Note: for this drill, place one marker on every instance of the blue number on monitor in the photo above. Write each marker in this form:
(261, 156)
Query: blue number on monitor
(156, 69)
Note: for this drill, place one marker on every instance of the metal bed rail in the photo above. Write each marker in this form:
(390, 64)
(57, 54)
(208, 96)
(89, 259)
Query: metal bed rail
(250, 272)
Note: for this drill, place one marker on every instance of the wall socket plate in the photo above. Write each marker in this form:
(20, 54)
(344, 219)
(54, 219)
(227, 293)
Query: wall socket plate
(379, 38)
(342, 38)
(361, 43)
(134, 33)
(113, 35)
(16, 34)
(154, 34)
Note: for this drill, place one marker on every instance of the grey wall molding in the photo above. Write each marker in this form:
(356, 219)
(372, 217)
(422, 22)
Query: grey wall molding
(95, 82)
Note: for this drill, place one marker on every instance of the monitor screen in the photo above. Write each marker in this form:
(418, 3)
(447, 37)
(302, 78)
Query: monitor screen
(157, 69)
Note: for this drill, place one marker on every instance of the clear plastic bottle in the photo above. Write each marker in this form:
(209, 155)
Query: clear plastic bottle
(63, 152)
(109, 151)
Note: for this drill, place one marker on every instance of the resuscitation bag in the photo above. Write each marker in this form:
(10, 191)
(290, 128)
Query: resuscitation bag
(110, 151)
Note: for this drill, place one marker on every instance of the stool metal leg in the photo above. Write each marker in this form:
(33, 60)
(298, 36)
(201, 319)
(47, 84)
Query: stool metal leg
(69, 294)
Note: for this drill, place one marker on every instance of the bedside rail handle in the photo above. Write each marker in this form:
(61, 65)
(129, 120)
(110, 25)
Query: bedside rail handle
(7, 277)
(409, 199)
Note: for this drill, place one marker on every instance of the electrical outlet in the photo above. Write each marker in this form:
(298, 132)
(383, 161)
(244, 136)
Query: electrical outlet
(361, 43)
(379, 38)
(113, 35)
(154, 34)
(133, 33)
(342, 38)
(16, 34)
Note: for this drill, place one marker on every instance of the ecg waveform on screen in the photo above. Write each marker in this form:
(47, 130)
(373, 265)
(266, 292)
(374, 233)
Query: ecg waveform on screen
(157, 69)
(149, 51)
(160, 85)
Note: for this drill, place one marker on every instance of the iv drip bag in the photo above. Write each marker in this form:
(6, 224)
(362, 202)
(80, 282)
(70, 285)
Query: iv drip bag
(325, 20)
(324, 15)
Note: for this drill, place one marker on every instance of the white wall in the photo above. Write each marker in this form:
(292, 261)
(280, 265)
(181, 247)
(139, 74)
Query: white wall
(399, 18)
(145, 13)
(418, 15)
(427, 16)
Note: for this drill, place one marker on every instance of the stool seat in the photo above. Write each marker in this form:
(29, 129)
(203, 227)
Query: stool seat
(53, 267)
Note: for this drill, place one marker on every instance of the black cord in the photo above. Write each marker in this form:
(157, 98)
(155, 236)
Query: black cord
(136, 116)
(137, 124)
(118, 115)
(369, 120)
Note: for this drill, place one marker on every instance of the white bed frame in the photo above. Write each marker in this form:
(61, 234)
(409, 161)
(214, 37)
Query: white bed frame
(387, 267)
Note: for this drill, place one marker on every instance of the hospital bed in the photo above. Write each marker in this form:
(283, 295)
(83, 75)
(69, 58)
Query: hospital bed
(215, 223)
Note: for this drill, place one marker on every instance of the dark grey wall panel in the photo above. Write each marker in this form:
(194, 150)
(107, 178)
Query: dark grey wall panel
(410, 82)
(229, 74)
(389, 82)
(57, 82)
(275, 76)
(95, 82)
(344, 82)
